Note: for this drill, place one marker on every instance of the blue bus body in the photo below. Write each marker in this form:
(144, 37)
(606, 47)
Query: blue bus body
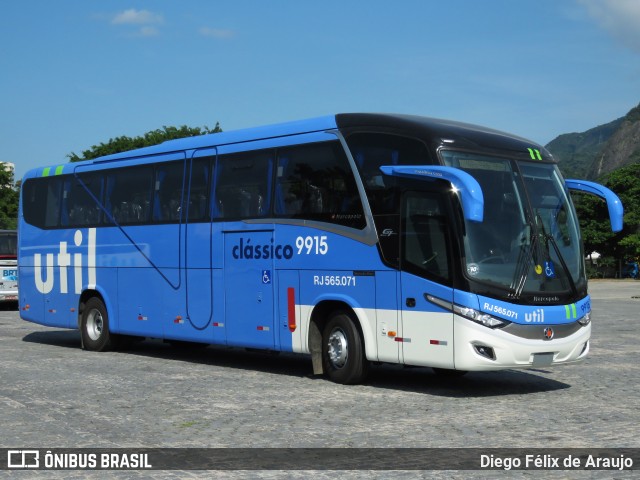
(350, 237)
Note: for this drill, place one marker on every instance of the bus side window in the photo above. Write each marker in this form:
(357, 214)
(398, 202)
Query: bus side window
(129, 194)
(243, 185)
(167, 194)
(425, 239)
(315, 182)
(41, 200)
(373, 150)
(201, 169)
(78, 206)
(30, 199)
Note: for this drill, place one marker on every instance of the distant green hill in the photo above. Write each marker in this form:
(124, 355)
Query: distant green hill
(599, 150)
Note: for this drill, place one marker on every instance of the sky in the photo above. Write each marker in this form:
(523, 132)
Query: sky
(75, 73)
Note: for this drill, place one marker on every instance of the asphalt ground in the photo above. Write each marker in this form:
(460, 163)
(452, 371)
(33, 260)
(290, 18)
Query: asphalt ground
(54, 395)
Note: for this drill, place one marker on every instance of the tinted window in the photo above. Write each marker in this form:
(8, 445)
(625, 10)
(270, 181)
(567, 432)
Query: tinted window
(373, 150)
(8, 244)
(425, 238)
(242, 186)
(167, 194)
(129, 194)
(199, 188)
(316, 182)
(80, 200)
(41, 201)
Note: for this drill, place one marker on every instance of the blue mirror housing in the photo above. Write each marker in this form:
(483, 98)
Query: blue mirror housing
(467, 186)
(614, 205)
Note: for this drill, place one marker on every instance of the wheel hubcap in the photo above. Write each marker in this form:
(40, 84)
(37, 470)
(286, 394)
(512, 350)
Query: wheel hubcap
(95, 324)
(338, 348)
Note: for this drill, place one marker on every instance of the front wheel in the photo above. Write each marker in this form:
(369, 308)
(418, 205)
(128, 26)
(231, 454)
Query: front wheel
(343, 354)
(94, 327)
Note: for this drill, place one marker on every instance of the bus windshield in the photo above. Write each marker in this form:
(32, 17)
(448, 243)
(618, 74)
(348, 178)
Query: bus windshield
(528, 242)
(8, 245)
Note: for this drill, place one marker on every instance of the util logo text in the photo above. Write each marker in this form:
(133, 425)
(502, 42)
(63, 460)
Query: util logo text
(64, 260)
(537, 316)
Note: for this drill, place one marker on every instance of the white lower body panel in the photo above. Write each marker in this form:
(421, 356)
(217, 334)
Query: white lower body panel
(512, 351)
(448, 341)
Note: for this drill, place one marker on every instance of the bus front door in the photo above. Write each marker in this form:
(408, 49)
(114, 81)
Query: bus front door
(248, 288)
(427, 328)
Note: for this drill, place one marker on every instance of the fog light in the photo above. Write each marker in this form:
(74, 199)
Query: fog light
(584, 348)
(485, 351)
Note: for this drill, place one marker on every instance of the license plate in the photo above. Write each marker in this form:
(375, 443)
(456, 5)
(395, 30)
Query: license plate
(542, 359)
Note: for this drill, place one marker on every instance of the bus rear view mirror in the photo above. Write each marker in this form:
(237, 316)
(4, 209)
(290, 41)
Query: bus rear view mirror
(464, 184)
(614, 205)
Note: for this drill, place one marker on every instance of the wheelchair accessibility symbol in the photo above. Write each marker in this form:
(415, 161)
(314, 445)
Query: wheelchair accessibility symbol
(266, 276)
(549, 270)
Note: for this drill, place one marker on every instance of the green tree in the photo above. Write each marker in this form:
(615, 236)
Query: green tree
(626, 183)
(594, 219)
(124, 143)
(8, 199)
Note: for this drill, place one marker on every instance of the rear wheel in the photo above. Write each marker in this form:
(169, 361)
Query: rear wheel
(343, 352)
(94, 327)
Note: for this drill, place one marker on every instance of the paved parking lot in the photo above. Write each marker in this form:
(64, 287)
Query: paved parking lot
(54, 395)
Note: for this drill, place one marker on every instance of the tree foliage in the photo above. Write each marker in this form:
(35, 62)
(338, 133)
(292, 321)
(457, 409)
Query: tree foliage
(8, 200)
(10, 190)
(594, 218)
(124, 143)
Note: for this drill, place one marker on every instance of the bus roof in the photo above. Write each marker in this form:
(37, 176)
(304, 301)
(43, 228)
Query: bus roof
(444, 132)
(463, 134)
(233, 136)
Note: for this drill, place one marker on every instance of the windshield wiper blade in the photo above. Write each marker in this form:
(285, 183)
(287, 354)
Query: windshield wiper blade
(554, 244)
(548, 238)
(523, 265)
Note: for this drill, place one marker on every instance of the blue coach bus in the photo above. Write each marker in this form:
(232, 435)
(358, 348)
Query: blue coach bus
(354, 238)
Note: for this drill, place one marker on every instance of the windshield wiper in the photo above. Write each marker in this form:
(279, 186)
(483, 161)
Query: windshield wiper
(523, 264)
(526, 258)
(548, 238)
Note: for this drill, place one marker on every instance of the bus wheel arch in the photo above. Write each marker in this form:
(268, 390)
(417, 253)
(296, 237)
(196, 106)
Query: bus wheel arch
(336, 343)
(93, 323)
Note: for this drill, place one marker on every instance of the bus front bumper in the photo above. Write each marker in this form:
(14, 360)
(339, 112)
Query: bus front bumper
(10, 295)
(479, 348)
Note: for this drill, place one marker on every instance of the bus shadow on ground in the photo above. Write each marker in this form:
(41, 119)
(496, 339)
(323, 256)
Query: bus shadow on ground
(473, 384)
(58, 338)
(9, 306)
(392, 377)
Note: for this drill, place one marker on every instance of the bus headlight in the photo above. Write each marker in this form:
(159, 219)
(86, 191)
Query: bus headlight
(469, 313)
(586, 320)
(479, 317)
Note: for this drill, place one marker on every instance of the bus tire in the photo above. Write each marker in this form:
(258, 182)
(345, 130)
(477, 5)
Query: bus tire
(343, 352)
(94, 327)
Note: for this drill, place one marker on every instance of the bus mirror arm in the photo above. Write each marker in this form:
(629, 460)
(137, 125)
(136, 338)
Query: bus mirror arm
(463, 184)
(614, 205)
